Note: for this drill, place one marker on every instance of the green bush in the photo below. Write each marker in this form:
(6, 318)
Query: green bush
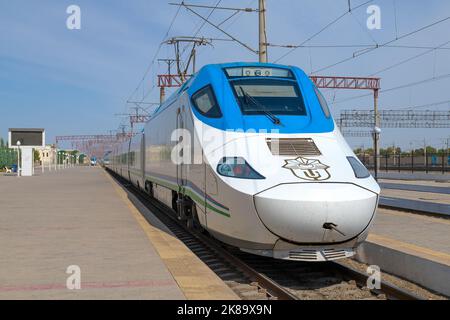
(8, 157)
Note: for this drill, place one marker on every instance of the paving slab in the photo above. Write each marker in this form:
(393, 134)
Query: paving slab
(76, 217)
(412, 246)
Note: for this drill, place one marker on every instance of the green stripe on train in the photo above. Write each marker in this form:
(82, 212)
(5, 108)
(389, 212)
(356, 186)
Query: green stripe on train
(189, 192)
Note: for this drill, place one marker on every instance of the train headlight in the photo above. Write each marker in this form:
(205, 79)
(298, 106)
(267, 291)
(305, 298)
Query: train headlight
(237, 167)
(358, 168)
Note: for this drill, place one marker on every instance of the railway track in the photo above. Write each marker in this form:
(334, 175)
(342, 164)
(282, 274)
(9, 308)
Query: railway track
(258, 278)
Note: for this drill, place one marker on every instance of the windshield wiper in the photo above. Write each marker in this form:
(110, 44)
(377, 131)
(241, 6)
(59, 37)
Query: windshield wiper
(269, 114)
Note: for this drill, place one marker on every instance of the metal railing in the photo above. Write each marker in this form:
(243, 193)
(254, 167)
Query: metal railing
(409, 162)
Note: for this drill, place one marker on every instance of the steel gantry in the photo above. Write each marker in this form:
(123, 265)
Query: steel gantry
(358, 83)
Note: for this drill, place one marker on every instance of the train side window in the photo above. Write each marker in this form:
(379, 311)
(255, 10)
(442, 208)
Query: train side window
(205, 102)
(323, 103)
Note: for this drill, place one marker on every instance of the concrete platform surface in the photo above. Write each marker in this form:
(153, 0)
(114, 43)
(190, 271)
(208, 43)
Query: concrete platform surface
(423, 231)
(433, 208)
(417, 195)
(417, 182)
(78, 217)
(429, 202)
(415, 187)
(412, 246)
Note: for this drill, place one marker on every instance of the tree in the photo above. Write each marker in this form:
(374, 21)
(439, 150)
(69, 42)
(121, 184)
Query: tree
(369, 151)
(36, 154)
(2, 143)
(358, 151)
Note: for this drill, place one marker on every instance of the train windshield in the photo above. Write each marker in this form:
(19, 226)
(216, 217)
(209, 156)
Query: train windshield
(264, 95)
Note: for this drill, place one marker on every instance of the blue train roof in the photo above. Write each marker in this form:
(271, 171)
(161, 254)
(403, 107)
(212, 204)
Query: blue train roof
(214, 74)
(219, 66)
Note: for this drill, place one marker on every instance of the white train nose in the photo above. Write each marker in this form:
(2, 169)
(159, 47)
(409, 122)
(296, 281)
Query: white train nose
(316, 212)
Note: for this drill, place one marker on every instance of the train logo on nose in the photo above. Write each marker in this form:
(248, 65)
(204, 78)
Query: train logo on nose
(308, 169)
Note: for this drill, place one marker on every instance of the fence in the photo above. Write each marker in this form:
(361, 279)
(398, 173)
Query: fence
(8, 157)
(409, 162)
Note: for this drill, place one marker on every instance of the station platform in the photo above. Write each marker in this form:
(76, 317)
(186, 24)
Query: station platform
(413, 246)
(424, 196)
(80, 217)
(416, 185)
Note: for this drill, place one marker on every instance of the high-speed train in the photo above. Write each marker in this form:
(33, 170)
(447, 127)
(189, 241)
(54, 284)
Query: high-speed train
(250, 153)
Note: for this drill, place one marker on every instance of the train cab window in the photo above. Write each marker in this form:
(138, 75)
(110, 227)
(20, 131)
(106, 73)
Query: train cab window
(259, 96)
(205, 102)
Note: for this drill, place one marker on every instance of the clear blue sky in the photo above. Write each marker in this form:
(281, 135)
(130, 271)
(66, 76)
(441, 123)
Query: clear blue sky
(74, 81)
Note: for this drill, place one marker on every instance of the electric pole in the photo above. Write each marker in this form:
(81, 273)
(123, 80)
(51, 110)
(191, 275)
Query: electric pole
(424, 151)
(376, 134)
(262, 32)
(162, 90)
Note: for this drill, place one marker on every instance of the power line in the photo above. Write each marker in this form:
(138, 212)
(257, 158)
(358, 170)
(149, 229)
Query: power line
(323, 29)
(213, 8)
(327, 46)
(219, 28)
(409, 59)
(428, 105)
(237, 16)
(364, 29)
(417, 106)
(154, 57)
(364, 51)
(398, 87)
(405, 61)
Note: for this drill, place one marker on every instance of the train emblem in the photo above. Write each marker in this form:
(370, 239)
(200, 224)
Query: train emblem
(308, 169)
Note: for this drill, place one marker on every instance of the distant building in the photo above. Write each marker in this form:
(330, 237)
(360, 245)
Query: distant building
(47, 154)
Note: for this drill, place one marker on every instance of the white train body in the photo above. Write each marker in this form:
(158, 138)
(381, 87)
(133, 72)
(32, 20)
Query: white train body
(301, 198)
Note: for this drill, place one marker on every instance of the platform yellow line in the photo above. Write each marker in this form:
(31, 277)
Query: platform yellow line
(195, 279)
(410, 248)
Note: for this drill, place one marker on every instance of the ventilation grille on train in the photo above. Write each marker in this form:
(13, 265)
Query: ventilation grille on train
(320, 255)
(332, 254)
(293, 147)
(303, 255)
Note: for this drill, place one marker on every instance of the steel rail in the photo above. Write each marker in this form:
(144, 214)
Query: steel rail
(273, 289)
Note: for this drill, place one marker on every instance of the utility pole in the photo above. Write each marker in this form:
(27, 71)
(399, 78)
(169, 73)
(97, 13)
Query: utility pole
(424, 152)
(262, 32)
(394, 151)
(376, 134)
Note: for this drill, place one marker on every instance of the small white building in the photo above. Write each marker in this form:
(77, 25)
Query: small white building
(47, 154)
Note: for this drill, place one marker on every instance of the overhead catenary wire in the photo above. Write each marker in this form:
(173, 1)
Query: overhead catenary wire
(327, 46)
(431, 104)
(350, 9)
(427, 105)
(203, 22)
(229, 25)
(365, 51)
(220, 29)
(411, 84)
(409, 59)
(147, 70)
